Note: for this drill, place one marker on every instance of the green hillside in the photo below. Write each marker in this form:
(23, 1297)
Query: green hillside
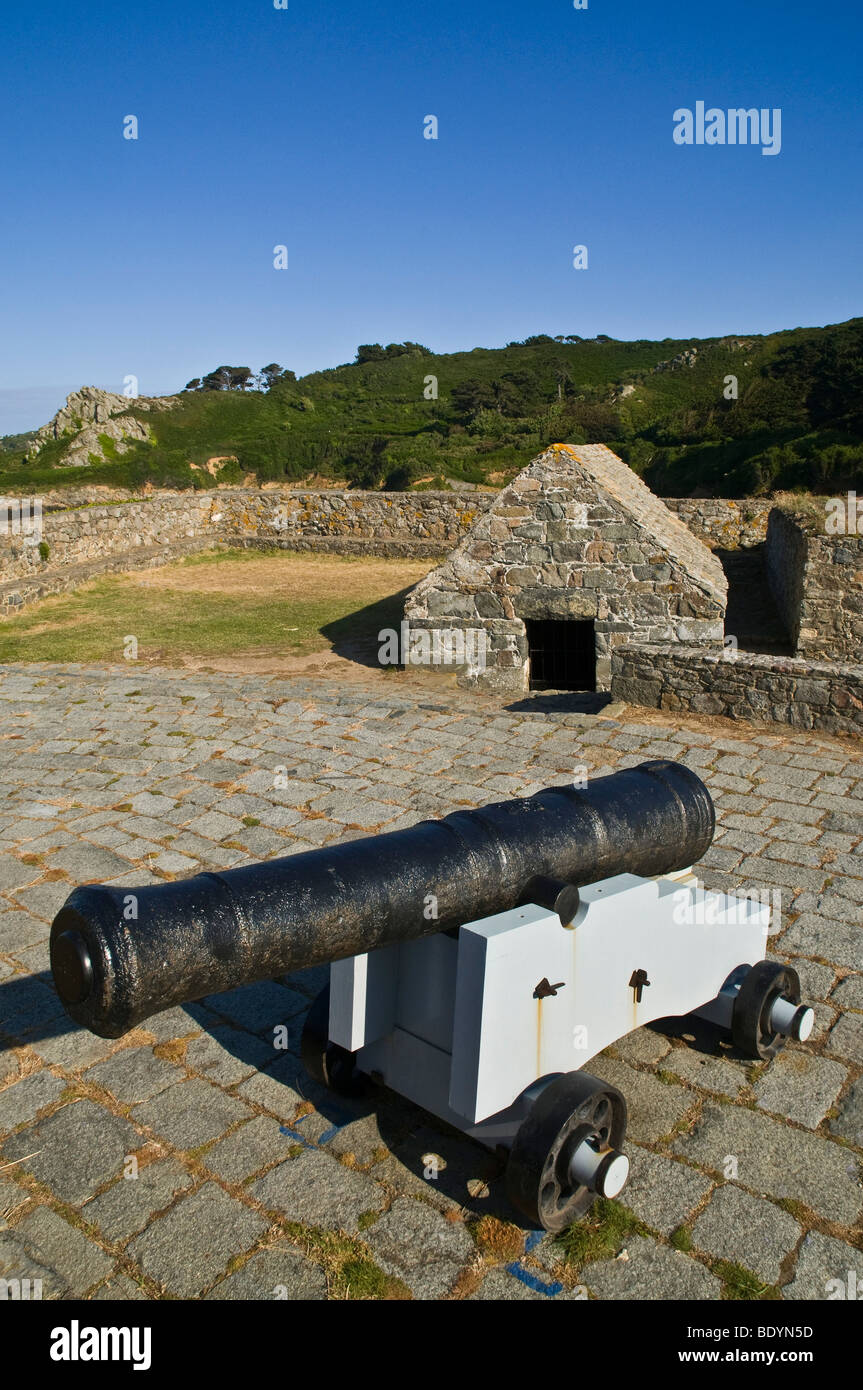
(667, 407)
(15, 445)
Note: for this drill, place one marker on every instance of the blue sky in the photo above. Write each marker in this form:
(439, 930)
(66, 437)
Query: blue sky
(304, 127)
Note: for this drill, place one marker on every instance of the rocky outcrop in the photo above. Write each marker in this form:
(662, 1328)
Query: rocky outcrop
(674, 364)
(91, 413)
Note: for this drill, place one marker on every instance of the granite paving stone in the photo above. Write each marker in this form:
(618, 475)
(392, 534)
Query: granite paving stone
(56, 1245)
(816, 980)
(709, 1073)
(190, 1113)
(651, 1272)
(191, 1245)
(119, 1289)
(277, 1272)
(44, 899)
(16, 1262)
(848, 1123)
(746, 1230)
(661, 1192)
(8, 1066)
(801, 1087)
(14, 874)
(126, 1207)
(251, 1147)
(70, 1048)
(227, 1055)
(133, 1075)
(183, 1021)
(813, 935)
(258, 1008)
(86, 863)
(501, 1285)
(846, 1038)
(848, 994)
(20, 928)
(416, 1244)
(654, 1107)
(280, 1088)
(23, 1100)
(643, 1045)
(75, 1150)
(826, 1268)
(775, 1160)
(317, 1190)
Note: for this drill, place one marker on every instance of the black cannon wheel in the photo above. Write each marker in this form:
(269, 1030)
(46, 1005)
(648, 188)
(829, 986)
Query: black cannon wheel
(327, 1063)
(574, 1107)
(750, 1022)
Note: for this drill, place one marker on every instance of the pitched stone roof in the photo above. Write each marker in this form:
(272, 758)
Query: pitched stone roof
(569, 473)
(615, 477)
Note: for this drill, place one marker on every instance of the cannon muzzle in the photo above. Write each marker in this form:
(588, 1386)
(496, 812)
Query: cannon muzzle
(119, 955)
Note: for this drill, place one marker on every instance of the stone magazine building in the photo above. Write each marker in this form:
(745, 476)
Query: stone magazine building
(575, 556)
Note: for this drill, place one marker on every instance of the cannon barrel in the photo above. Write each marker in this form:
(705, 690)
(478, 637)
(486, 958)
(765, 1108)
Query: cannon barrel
(119, 954)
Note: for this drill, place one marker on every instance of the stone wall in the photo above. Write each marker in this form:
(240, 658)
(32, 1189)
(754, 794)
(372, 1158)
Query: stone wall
(721, 522)
(385, 523)
(785, 690)
(432, 522)
(90, 534)
(817, 582)
(380, 523)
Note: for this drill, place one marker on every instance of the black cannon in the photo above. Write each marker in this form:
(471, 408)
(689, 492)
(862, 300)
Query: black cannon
(119, 955)
(466, 954)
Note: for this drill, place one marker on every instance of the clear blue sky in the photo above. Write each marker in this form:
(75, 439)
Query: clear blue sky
(260, 126)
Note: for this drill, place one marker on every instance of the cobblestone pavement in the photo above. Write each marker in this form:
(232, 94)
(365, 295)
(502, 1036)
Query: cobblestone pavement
(251, 1183)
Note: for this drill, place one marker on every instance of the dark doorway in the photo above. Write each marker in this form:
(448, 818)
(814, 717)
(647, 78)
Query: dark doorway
(562, 654)
(751, 615)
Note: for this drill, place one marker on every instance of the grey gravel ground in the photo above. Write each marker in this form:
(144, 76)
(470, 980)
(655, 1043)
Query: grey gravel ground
(194, 1159)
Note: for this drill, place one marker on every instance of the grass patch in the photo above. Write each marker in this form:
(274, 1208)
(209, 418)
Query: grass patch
(740, 1284)
(359, 1278)
(366, 1219)
(798, 1210)
(351, 1272)
(681, 1239)
(600, 1234)
(498, 1240)
(223, 604)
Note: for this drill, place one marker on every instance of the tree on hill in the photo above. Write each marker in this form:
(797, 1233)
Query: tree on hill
(373, 352)
(227, 379)
(272, 374)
